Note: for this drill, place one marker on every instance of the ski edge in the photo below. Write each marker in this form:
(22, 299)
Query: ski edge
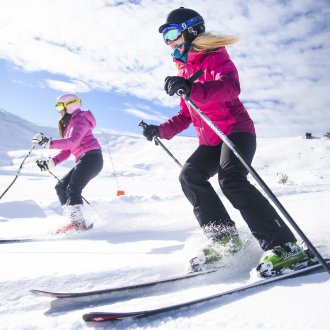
(109, 316)
(175, 278)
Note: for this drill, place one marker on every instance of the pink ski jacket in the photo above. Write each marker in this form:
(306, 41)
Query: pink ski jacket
(216, 93)
(78, 137)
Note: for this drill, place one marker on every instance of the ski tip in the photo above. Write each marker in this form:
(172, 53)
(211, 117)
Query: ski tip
(16, 240)
(50, 294)
(95, 317)
(41, 293)
(105, 317)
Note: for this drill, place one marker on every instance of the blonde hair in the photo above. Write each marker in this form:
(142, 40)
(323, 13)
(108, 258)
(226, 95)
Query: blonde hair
(208, 41)
(60, 129)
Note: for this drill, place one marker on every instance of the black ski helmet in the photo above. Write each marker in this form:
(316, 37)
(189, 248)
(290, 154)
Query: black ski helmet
(182, 15)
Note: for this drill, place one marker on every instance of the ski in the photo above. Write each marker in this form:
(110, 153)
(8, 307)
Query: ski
(55, 237)
(21, 240)
(109, 316)
(121, 290)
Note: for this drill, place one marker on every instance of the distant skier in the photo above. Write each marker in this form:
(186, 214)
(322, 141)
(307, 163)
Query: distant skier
(216, 92)
(75, 129)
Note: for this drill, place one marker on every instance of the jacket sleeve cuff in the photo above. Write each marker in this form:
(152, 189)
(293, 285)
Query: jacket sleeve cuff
(161, 132)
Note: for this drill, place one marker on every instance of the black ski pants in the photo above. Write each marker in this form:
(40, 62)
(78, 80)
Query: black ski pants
(262, 219)
(69, 188)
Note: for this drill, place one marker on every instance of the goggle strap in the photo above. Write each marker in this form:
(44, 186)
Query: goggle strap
(60, 106)
(191, 22)
(72, 101)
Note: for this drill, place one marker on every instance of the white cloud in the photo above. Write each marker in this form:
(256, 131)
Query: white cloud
(144, 112)
(74, 86)
(115, 46)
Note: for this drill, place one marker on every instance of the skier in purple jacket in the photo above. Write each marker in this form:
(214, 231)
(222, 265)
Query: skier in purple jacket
(216, 92)
(75, 129)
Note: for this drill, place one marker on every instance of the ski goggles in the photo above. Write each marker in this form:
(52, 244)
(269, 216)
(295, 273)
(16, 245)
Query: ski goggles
(173, 31)
(61, 106)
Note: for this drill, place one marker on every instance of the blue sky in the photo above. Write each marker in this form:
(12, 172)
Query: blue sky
(23, 93)
(111, 54)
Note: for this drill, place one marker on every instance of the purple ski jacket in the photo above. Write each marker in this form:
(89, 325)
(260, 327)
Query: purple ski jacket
(216, 93)
(78, 137)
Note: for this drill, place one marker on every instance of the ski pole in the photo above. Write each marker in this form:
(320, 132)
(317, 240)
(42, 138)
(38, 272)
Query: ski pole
(119, 191)
(157, 142)
(19, 169)
(256, 176)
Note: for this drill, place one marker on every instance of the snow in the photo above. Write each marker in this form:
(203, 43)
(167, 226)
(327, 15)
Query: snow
(151, 233)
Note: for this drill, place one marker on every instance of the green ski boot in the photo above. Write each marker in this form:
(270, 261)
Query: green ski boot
(214, 252)
(281, 259)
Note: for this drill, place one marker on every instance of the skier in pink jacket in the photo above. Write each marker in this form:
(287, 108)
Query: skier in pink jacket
(75, 129)
(216, 93)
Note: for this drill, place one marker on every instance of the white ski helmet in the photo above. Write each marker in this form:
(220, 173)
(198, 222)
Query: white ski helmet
(68, 102)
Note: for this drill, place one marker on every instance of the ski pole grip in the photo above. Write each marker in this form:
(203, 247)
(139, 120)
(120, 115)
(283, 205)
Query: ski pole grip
(191, 79)
(142, 124)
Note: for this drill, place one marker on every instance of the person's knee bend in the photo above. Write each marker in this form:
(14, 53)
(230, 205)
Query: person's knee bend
(59, 187)
(234, 188)
(231, 183)
(187, 172)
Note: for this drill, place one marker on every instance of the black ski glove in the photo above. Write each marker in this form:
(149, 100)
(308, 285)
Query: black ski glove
(45, 165)
(175, 83)
(150, 131)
